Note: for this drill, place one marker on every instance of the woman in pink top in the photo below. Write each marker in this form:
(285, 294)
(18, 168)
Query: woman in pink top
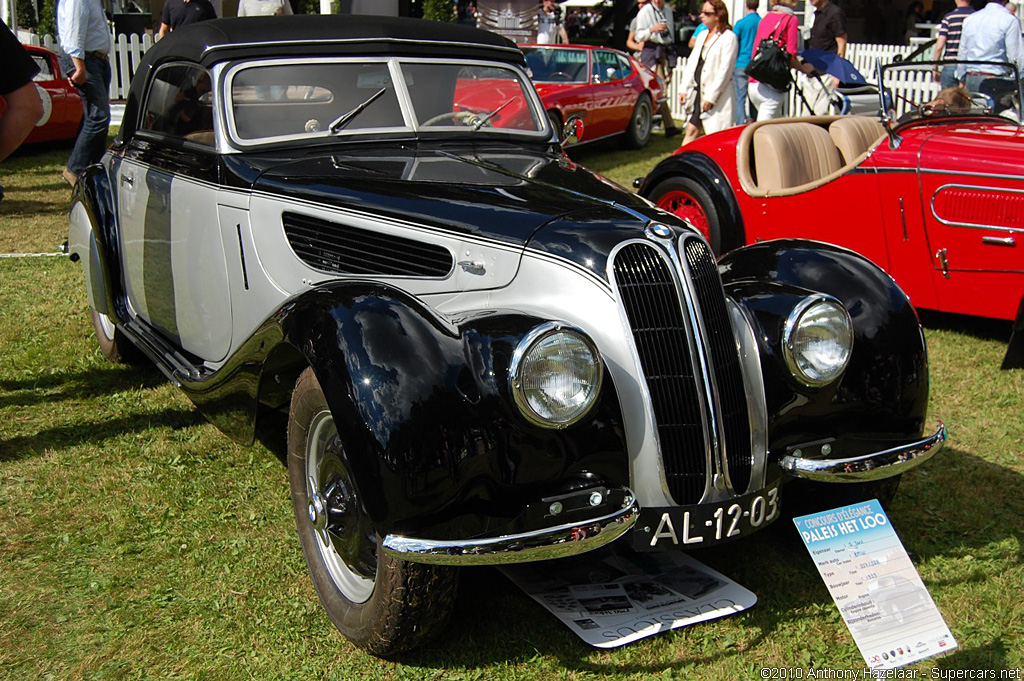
(781, 22)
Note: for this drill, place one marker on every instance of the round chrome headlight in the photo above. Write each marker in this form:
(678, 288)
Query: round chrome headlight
(555, 375)
(818, 340)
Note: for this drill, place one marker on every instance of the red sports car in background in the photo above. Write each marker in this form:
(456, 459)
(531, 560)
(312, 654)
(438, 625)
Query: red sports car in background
(613, 92)
(935, 196)
(62, 105)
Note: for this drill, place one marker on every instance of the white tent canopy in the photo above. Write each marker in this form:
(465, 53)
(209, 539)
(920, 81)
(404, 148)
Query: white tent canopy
(579, 3)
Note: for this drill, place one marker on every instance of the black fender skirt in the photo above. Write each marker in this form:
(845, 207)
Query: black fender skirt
(883, 395)
(435, 442)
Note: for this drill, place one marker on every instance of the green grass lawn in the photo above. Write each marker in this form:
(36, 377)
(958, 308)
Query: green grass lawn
(138, 542)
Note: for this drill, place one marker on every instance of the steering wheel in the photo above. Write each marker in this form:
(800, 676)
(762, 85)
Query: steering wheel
(466, 118)
(559, 75)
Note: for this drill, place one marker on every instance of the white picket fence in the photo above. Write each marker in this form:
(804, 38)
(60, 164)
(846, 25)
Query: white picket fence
(911, 85)
(126, 51)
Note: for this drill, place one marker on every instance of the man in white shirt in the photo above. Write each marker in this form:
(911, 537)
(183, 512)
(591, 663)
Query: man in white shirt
(652, 29)
(264, 8)
(990, 34)
(549, 27)
(83, 35)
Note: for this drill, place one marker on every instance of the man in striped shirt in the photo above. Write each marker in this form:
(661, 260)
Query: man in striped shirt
(949, 40)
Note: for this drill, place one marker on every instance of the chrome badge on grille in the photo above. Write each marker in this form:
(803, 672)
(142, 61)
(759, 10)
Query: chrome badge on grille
(659, 231)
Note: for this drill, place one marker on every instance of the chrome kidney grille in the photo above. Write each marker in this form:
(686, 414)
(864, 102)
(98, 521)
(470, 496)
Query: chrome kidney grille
(677, 313)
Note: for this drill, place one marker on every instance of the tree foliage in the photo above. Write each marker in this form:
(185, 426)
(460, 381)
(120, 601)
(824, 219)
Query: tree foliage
(438, 10)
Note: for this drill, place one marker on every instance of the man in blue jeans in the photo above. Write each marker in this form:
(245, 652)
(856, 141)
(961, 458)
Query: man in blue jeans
(947, 44)
(745, 30)
(85, 39)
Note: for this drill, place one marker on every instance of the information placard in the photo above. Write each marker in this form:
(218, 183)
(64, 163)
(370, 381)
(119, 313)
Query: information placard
(873, 582)
(609, 598)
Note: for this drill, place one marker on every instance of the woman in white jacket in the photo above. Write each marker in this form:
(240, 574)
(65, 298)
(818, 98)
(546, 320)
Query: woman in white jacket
(707, 89)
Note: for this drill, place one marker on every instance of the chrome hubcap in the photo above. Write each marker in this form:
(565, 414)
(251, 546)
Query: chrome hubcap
(345, 537)
(318, 512)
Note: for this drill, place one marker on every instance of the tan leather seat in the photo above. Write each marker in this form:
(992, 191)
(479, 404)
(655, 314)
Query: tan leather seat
(789, 155)
(853, 135)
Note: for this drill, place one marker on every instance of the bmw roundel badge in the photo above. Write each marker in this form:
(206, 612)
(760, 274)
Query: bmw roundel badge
(659, 230)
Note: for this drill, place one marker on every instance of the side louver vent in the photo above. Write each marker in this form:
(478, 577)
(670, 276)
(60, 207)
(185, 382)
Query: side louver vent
(342, 249)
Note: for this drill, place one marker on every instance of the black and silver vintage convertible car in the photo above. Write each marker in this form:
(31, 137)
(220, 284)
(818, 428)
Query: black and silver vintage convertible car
(486, 353)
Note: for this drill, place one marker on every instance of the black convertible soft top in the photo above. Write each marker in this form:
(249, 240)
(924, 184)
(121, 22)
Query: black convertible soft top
(221, 40)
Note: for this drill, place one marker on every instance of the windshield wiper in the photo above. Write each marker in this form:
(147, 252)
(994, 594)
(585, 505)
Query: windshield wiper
(341, 121)
(480, 123)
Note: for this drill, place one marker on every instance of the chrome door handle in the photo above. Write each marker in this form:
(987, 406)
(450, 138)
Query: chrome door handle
(128, 180)
(999, 241)
(473, 266)
(940, 256)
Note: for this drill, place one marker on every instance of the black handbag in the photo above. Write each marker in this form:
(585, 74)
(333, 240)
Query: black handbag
(770, 63)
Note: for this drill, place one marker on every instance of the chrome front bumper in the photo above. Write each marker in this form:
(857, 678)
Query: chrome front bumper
(869, 467)
(544, 544)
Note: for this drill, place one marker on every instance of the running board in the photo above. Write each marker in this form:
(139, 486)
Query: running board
(175, 366)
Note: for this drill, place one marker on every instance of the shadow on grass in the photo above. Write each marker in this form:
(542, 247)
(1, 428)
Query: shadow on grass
(938, 513)
(63, 385)
(982, 328)
(990, 656)
(62, 437)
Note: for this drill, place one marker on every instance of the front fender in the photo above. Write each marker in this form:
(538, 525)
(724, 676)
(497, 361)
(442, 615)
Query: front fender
(435, 443)
(883, 394)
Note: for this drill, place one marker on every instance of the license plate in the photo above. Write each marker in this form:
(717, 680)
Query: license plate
(706, 524)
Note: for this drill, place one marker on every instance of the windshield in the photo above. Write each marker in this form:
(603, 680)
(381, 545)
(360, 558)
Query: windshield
(914, 91)
(292, 99)
(556, 65)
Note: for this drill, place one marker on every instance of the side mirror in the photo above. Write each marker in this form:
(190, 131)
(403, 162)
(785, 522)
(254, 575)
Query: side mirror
(572, 132)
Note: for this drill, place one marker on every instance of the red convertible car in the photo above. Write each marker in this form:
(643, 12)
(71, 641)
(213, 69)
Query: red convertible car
(934, 194)
(62, 105)
(612, 92)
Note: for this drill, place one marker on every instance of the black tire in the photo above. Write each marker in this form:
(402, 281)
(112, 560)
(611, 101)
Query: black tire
(383, 605)
(640, 124)
(556, 122)
(688, 200)
(113, 344)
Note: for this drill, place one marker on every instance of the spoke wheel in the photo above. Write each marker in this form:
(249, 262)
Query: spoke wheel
(689, 201)
(683, 205)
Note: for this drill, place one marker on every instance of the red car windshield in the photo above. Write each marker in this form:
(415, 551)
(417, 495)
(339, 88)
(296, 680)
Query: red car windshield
(556, 65)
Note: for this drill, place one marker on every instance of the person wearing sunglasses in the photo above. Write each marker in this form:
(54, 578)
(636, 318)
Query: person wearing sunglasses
(707, 90)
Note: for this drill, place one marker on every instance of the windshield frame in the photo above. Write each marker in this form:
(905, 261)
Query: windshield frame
(896, 114)
(410, 127)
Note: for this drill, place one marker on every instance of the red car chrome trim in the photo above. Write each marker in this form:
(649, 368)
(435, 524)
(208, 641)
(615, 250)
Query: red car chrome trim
(962, 205)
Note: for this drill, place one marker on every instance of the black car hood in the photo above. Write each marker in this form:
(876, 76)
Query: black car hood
(504, 193)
